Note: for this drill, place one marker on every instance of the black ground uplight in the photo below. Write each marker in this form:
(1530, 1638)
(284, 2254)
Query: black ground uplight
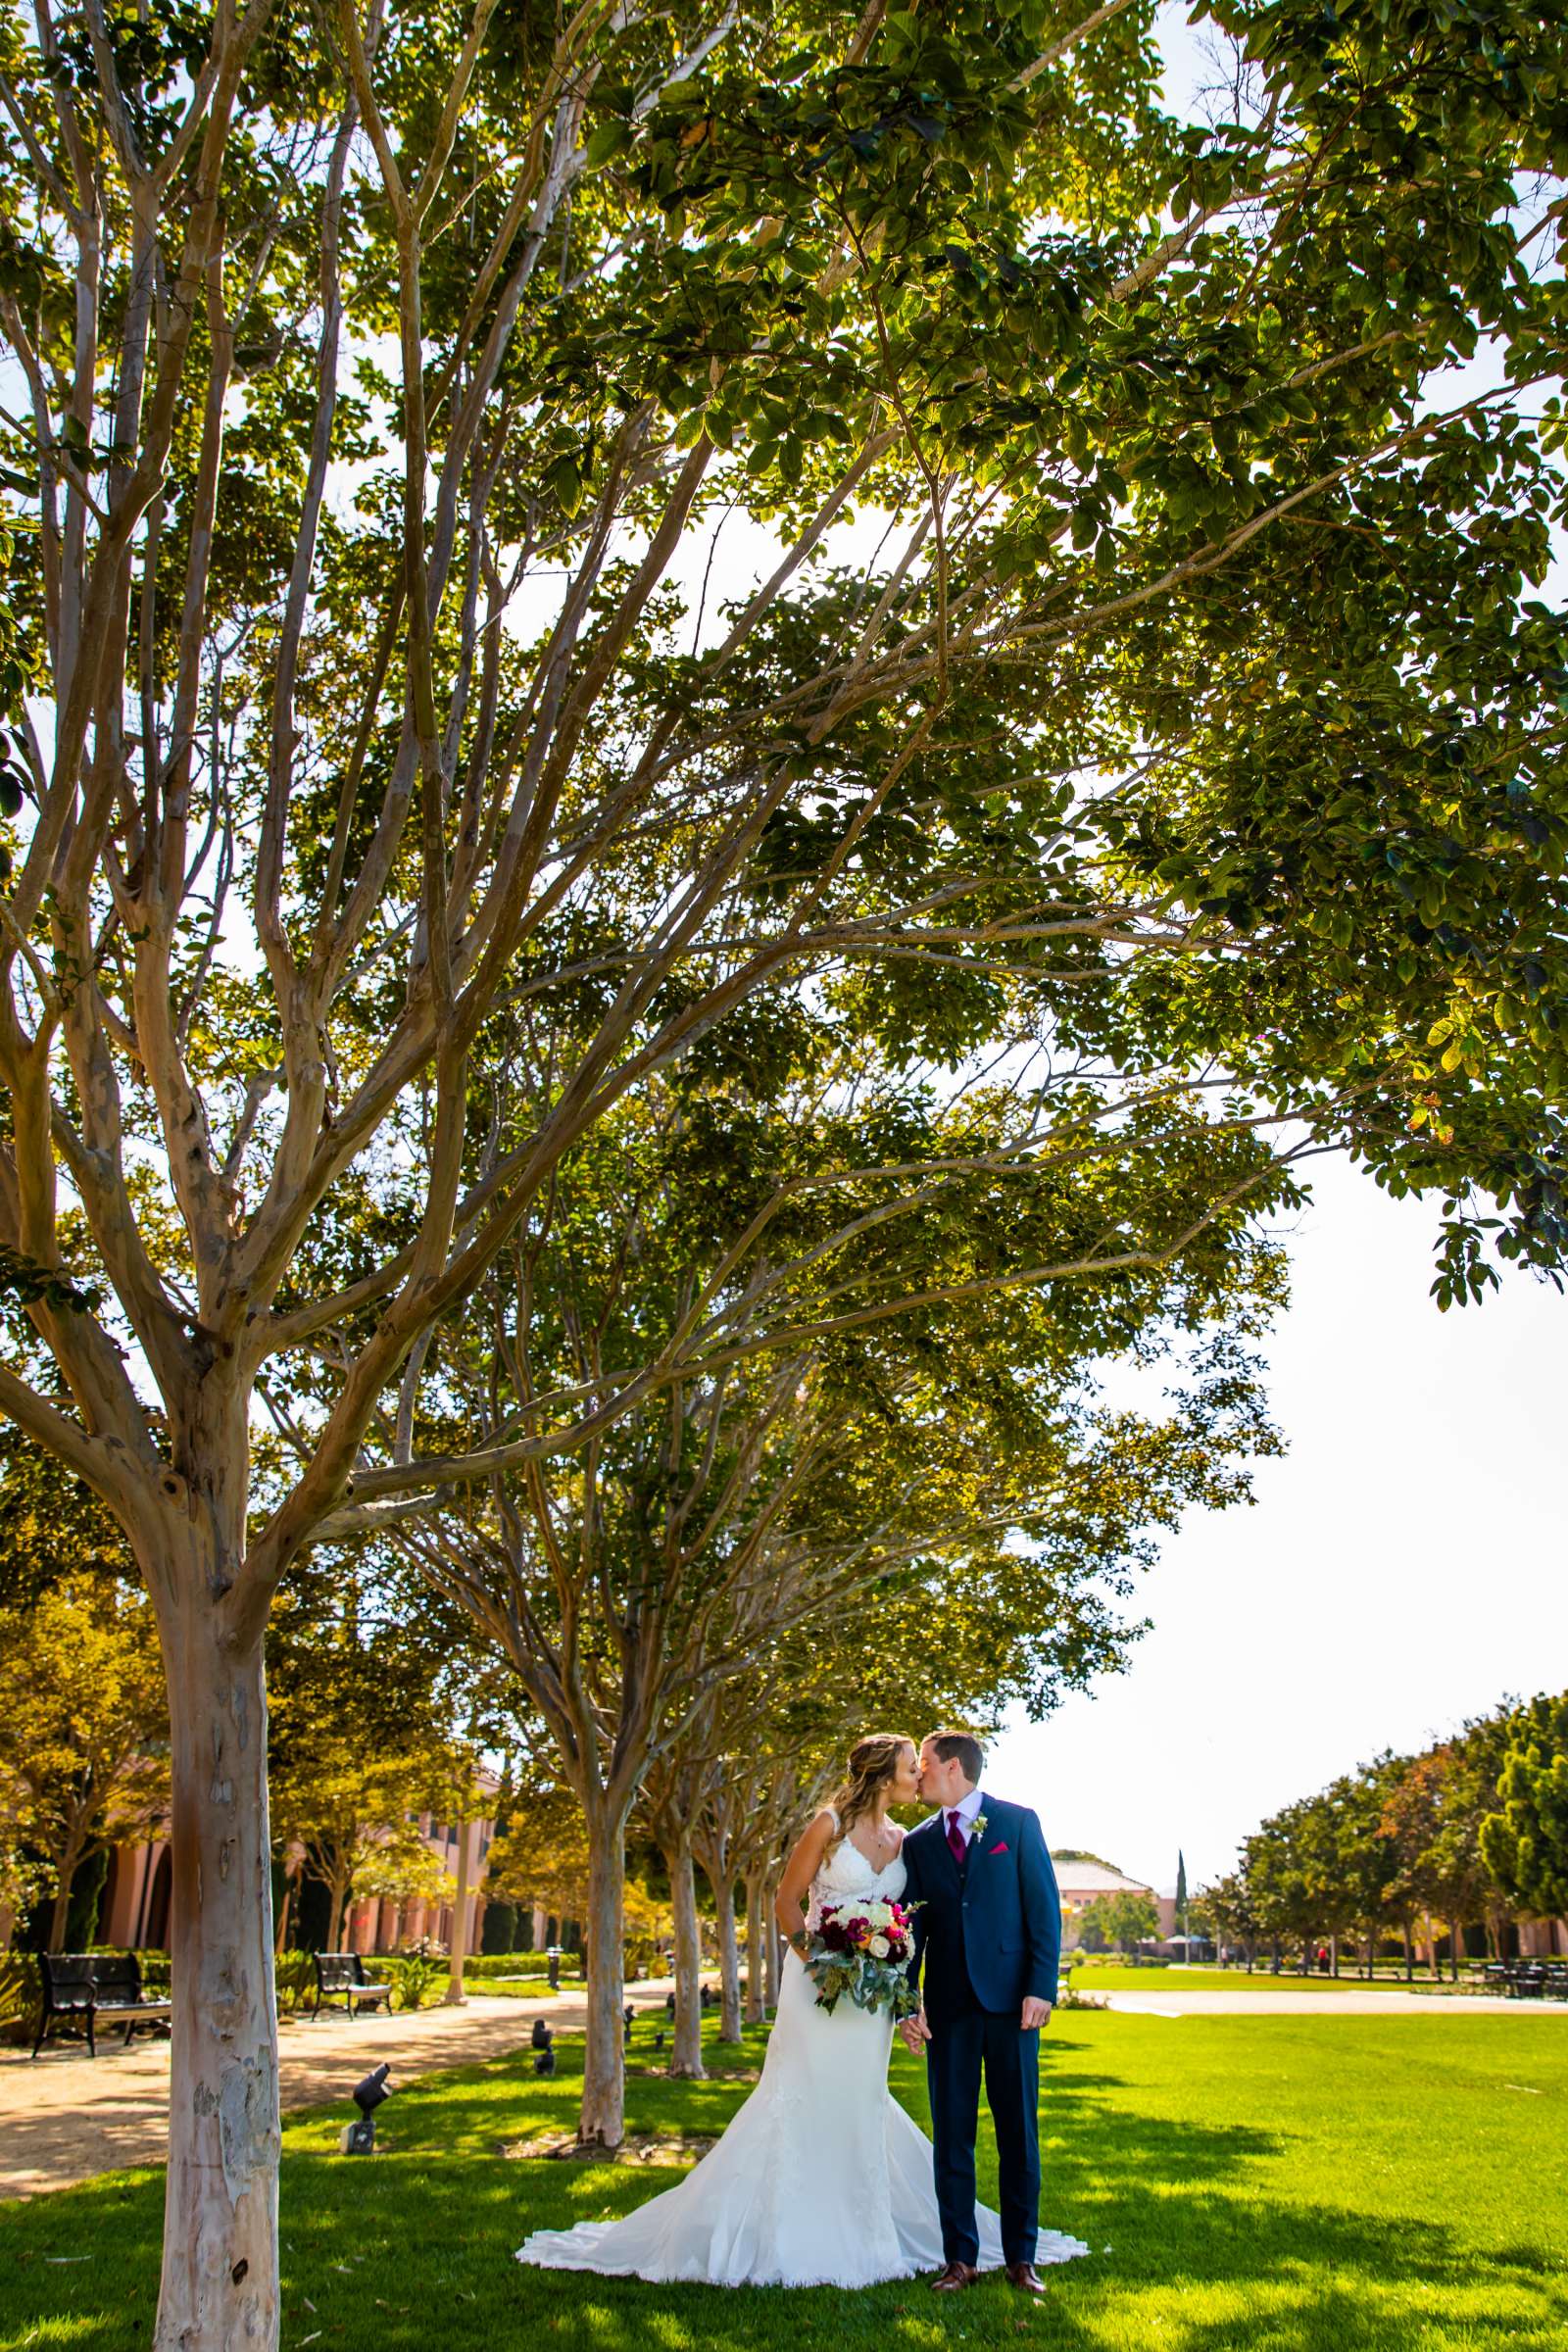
(358, 2140)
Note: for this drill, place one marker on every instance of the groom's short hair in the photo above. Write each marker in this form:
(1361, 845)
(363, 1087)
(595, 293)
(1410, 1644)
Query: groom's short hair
(960, 1748)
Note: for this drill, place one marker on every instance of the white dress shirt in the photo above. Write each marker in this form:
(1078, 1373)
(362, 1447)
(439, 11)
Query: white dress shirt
(966, 1808)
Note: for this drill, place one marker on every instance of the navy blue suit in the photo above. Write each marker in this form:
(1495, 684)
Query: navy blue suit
(988, 1936)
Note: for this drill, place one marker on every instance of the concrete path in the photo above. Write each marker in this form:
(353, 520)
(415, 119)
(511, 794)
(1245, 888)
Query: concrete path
(1309, 2000)
(65, 2116)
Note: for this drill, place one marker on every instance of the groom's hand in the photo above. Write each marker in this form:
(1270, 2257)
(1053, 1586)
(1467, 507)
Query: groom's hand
(916, 2033)
(1036, 2013)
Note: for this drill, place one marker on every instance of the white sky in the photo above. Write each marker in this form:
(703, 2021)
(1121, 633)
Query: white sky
(1403, 1567)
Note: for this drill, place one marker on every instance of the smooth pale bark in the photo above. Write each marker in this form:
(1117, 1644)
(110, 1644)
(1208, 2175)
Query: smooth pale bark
(718, 1868)
(455, 1996)
(770, 1947)
(602, 2122)
(756, 1959)
(730, 1960)
(220, 2290)
(686, 2056)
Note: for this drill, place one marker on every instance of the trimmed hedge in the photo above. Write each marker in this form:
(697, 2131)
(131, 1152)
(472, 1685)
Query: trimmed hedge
(525, 1963)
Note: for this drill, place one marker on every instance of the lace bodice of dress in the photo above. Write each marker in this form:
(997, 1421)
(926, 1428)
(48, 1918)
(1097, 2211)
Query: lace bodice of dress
(846, 1873)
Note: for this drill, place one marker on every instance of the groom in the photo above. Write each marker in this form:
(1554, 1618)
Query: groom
(990, 1935)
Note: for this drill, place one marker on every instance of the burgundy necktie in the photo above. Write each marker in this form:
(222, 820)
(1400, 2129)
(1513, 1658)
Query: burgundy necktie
(957, 1839)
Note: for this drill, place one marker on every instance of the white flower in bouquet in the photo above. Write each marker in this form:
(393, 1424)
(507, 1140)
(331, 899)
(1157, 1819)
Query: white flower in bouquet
(878, 1948)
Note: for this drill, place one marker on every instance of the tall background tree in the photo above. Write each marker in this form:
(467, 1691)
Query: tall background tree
(83, 1732)
(1524, 1844)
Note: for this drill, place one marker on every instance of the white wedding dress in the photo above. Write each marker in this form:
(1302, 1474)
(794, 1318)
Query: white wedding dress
(821, 2179)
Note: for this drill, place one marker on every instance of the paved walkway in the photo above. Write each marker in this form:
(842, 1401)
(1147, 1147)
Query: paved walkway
(65, 2116)
(1307, 2000)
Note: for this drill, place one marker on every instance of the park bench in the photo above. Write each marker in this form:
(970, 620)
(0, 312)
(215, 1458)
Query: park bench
(93, 1987)
(1528, 1980)
(341, 1977)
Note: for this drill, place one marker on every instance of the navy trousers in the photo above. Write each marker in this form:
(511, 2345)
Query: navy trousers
(961, 2048)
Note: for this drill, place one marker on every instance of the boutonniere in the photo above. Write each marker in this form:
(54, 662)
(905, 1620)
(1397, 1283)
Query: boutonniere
(979, 1825)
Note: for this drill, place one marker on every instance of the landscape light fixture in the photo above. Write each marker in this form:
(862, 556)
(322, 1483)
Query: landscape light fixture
(544, 2056)
(358, 2140)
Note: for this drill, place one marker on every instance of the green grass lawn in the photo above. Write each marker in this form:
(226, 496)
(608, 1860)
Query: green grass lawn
(1247, 2184)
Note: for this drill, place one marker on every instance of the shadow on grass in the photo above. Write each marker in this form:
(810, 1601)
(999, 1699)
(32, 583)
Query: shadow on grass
(1197, 2243)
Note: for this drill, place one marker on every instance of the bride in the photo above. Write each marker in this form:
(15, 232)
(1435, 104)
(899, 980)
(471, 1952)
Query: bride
(821, 2179)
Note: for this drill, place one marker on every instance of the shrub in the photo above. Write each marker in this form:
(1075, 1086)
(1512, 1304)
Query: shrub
(20, 1988)
(416, 1972)
(296, 1980)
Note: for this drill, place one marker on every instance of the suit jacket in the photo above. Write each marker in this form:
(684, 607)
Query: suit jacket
(990, 1934)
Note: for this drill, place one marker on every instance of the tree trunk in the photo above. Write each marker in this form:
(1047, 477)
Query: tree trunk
(730, 1960)
(1407, 1931)
(220, 2288)
(334, 1930)
(280, 1940)
(455, 1996)
(60, 1912)
(686, 2057)
(602, 2122)
(1333, 1955)
(755, 1957)
(1453, 1951)
(771, 1951)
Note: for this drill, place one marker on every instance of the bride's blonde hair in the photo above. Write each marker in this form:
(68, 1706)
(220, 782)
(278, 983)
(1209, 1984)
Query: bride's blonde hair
(873, 1763)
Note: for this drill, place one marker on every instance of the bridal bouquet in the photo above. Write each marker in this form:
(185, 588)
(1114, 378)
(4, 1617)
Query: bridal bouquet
(863, 1949)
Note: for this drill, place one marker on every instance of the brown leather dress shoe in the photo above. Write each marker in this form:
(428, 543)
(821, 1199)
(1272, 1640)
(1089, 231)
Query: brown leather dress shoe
(1026, 2278)
(955, 2276)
